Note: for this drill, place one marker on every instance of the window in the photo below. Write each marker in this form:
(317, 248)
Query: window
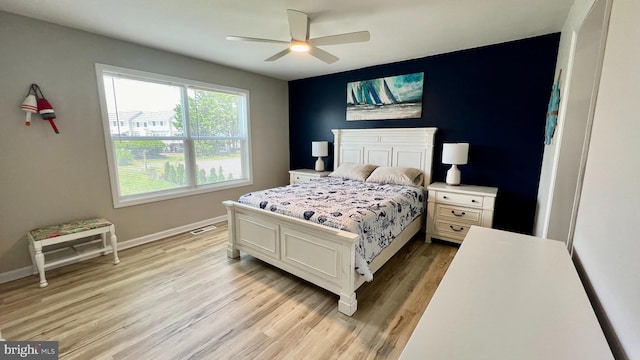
(200, 145)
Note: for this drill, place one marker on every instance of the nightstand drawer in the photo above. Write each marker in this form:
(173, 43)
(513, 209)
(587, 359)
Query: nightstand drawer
(452, 213)
(298, 178)
(304, 175)
(452, 229)
(460, 199)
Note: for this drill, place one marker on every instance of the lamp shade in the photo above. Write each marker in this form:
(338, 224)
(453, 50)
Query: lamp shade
(319, 148)
(456, 153)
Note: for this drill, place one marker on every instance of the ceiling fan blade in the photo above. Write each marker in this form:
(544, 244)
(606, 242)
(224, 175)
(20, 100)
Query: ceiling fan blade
(298, 25)
(323, 55)
(244, 38)
(278, 55)
(354, 37)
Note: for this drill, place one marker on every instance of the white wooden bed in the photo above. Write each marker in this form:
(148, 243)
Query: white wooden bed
(319, 254)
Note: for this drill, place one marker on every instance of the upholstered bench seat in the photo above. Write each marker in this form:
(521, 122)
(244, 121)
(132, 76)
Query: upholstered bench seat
(52, 231)
(66, 233)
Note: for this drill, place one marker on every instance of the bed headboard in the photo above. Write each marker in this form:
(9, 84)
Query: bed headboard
(410, 147)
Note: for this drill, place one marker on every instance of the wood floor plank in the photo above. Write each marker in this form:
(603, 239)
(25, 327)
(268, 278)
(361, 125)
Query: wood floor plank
(182, 298)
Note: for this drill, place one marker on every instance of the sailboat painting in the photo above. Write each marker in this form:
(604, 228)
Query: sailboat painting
(393, 97)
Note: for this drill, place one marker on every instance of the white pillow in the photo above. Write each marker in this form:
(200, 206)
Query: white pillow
(353, 171)
(397, 175)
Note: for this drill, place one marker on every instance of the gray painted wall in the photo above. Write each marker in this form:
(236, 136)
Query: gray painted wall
(47, 178)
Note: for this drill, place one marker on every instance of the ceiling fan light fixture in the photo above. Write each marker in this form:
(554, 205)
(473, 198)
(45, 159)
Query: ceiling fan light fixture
(299, 46)
(301, 43)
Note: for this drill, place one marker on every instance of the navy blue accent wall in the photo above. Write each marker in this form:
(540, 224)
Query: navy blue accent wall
(494, 97)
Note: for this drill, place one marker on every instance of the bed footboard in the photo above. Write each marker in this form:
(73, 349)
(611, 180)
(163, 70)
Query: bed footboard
(316, 253)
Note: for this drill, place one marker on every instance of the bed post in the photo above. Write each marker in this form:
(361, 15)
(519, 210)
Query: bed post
(348, 304)
(336, 148)
(232, 252)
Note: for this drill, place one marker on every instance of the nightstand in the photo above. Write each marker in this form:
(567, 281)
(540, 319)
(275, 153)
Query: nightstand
(451, 210)
(302, 175)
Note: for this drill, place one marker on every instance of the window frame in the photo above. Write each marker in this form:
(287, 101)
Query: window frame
(192, 188)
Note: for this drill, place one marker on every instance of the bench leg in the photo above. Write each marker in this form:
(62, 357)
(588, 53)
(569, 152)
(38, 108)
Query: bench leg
(32, 252)
(114, 244)
(39, 256)
(103, 237)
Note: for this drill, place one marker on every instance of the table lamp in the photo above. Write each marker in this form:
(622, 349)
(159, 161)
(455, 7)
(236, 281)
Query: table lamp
(454, 154)
(319, 149)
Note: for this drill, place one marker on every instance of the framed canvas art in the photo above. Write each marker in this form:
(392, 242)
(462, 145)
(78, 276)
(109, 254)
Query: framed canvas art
(393, 97)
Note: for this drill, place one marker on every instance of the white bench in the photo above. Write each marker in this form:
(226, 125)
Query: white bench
(68, 233)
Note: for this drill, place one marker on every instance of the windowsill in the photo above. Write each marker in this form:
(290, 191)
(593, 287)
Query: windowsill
(178, 193)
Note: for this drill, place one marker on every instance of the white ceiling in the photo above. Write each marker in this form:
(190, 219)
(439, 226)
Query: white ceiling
(400, 29)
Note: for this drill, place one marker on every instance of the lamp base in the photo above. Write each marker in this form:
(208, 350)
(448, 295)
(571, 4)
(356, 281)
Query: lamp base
(319, 164)
(453, 176)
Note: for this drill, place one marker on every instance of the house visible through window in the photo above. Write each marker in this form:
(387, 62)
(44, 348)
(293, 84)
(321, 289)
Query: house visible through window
(198, 140)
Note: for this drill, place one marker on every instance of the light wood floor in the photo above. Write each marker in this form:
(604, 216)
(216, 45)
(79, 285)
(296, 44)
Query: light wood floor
(182, 298)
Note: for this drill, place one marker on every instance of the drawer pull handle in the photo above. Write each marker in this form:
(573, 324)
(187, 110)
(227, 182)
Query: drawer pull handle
(454, 229)
(445, 197)
(461, 214)
(473, 200)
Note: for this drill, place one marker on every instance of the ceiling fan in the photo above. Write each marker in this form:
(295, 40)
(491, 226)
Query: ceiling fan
(300, 42)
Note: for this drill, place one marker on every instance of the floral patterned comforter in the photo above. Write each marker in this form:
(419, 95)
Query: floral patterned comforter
(376, 212)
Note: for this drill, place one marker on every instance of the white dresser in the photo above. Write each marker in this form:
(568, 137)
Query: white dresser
(302, 175)
(451, 210)
(508, 296)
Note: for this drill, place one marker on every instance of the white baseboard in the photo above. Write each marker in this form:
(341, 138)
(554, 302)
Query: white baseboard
(122, 245)
(171, 232)
(16, 274)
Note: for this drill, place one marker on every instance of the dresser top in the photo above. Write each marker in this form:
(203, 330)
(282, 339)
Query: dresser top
(465, 189)
(509, 296)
